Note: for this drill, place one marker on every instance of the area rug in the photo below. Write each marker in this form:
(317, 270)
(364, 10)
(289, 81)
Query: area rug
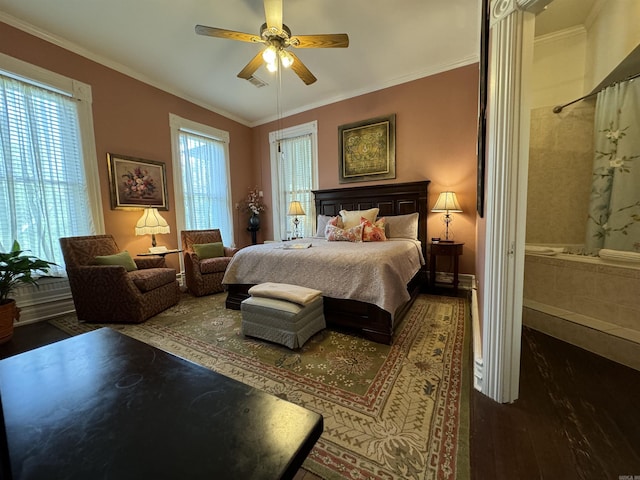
(390, 412)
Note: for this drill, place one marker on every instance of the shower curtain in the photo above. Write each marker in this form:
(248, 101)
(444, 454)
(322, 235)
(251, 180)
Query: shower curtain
(614, 205)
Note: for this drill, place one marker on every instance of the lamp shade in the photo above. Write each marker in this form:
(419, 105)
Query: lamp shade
(447, 202)
(295, 208)
(151, 222)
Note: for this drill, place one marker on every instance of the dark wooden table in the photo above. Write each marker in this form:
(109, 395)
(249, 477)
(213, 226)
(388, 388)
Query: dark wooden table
(450, 249)
(103, 405)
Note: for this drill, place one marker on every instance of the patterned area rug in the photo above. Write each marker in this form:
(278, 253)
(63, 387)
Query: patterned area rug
(390, 412)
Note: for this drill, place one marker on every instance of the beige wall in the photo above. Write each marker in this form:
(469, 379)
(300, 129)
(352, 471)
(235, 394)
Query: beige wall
(435, 123)
(558, 68)
(612, 35)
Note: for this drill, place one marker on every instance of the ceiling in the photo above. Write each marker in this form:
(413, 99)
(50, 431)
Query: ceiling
(563, 14)
(154, 41)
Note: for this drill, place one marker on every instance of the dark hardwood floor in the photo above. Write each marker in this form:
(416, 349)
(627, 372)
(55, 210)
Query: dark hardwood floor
(578, 415)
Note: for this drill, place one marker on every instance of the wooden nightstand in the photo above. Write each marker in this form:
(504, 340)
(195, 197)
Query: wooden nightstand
(449, 249)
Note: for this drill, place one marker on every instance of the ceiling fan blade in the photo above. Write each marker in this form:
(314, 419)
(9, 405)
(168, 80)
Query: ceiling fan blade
(250, 68)
(222, 33)
(273, 13)
(330, 40)
(301, 70)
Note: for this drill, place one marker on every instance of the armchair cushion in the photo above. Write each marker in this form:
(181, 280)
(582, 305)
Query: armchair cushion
(122, 258)
(214, 265)
(152, 278)
(150, 262)
(208, 250)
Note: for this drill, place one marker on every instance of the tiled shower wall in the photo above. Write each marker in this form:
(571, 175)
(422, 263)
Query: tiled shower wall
(560, 165)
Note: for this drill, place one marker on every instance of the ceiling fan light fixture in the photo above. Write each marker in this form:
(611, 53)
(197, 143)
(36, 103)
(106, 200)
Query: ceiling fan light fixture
(286, 58)
(272, 67)
(269, 55)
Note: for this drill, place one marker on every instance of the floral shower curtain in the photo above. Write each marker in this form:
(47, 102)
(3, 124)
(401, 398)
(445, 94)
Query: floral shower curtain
(614, 206)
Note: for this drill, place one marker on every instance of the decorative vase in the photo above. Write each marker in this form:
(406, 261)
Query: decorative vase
(254, 221)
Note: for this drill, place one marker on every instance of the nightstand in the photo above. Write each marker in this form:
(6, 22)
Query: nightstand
(449, 249)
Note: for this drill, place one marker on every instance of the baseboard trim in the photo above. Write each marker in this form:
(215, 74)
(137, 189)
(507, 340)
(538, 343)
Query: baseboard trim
(478, 364)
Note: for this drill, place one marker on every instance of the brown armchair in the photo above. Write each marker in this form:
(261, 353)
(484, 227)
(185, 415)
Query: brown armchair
(109, 293)
(204, 276)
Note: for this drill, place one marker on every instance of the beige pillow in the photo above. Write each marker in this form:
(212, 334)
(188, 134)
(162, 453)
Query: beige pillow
(351, 218)
(402, 226)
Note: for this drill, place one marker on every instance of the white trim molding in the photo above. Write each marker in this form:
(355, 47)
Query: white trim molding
(497, 370)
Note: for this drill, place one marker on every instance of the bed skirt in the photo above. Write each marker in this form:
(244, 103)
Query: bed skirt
(366, 319)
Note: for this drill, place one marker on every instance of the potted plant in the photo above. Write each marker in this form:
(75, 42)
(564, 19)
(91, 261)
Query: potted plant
(15, 268)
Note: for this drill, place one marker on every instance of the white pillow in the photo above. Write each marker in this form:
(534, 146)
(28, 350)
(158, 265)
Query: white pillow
(351, 218)
(402, 226)
(321, 225)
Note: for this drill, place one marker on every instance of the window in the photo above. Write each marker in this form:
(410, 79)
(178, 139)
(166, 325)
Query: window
(48, 168)
(294, 174)
(202, 186)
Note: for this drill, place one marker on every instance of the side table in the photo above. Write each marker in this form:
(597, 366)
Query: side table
(450, 249)
(158, 254)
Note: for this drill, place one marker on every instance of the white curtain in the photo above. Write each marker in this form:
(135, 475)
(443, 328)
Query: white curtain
(205, 181)
(43, 185)
(296, 181)
(614, 207)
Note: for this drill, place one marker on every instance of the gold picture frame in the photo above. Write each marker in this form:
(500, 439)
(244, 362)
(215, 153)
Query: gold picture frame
(367, 150)
(136, 183)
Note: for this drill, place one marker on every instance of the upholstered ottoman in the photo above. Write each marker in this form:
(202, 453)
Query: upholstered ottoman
(282, 313)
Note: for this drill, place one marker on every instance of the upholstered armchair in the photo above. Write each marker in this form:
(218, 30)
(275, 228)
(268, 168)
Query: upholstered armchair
(108, 293)
(204, 275)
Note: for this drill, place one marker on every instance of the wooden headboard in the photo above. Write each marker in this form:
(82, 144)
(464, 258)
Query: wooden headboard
(391, 199)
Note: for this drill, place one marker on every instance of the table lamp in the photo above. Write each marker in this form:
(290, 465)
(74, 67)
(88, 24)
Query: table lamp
(151, 222)
(295, 209)
(447, 203)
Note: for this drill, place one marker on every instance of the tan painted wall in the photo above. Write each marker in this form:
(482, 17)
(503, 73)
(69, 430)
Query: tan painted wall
(435, 123)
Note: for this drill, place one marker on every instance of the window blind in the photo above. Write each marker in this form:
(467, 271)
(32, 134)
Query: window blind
(296, 181)
(43, 185)
(205, 186)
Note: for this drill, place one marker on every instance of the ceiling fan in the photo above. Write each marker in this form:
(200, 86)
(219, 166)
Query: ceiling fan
(277, 38)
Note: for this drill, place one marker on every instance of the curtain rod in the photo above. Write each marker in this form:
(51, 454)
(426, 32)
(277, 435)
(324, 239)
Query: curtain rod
(558, 108)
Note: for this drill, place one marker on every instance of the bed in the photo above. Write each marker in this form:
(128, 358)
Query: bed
(375, 317)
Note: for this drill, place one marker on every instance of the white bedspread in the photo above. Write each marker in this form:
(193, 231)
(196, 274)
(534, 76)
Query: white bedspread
(371, 272)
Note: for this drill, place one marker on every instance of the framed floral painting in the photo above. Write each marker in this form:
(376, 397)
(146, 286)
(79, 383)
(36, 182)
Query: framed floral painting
(137, 183)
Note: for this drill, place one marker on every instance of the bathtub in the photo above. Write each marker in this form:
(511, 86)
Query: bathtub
(588, 301)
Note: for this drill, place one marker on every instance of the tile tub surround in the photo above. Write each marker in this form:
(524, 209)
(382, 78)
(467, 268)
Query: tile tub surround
(586, 302)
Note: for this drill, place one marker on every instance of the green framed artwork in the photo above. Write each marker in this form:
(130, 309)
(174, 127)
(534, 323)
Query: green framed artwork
(367, 150)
